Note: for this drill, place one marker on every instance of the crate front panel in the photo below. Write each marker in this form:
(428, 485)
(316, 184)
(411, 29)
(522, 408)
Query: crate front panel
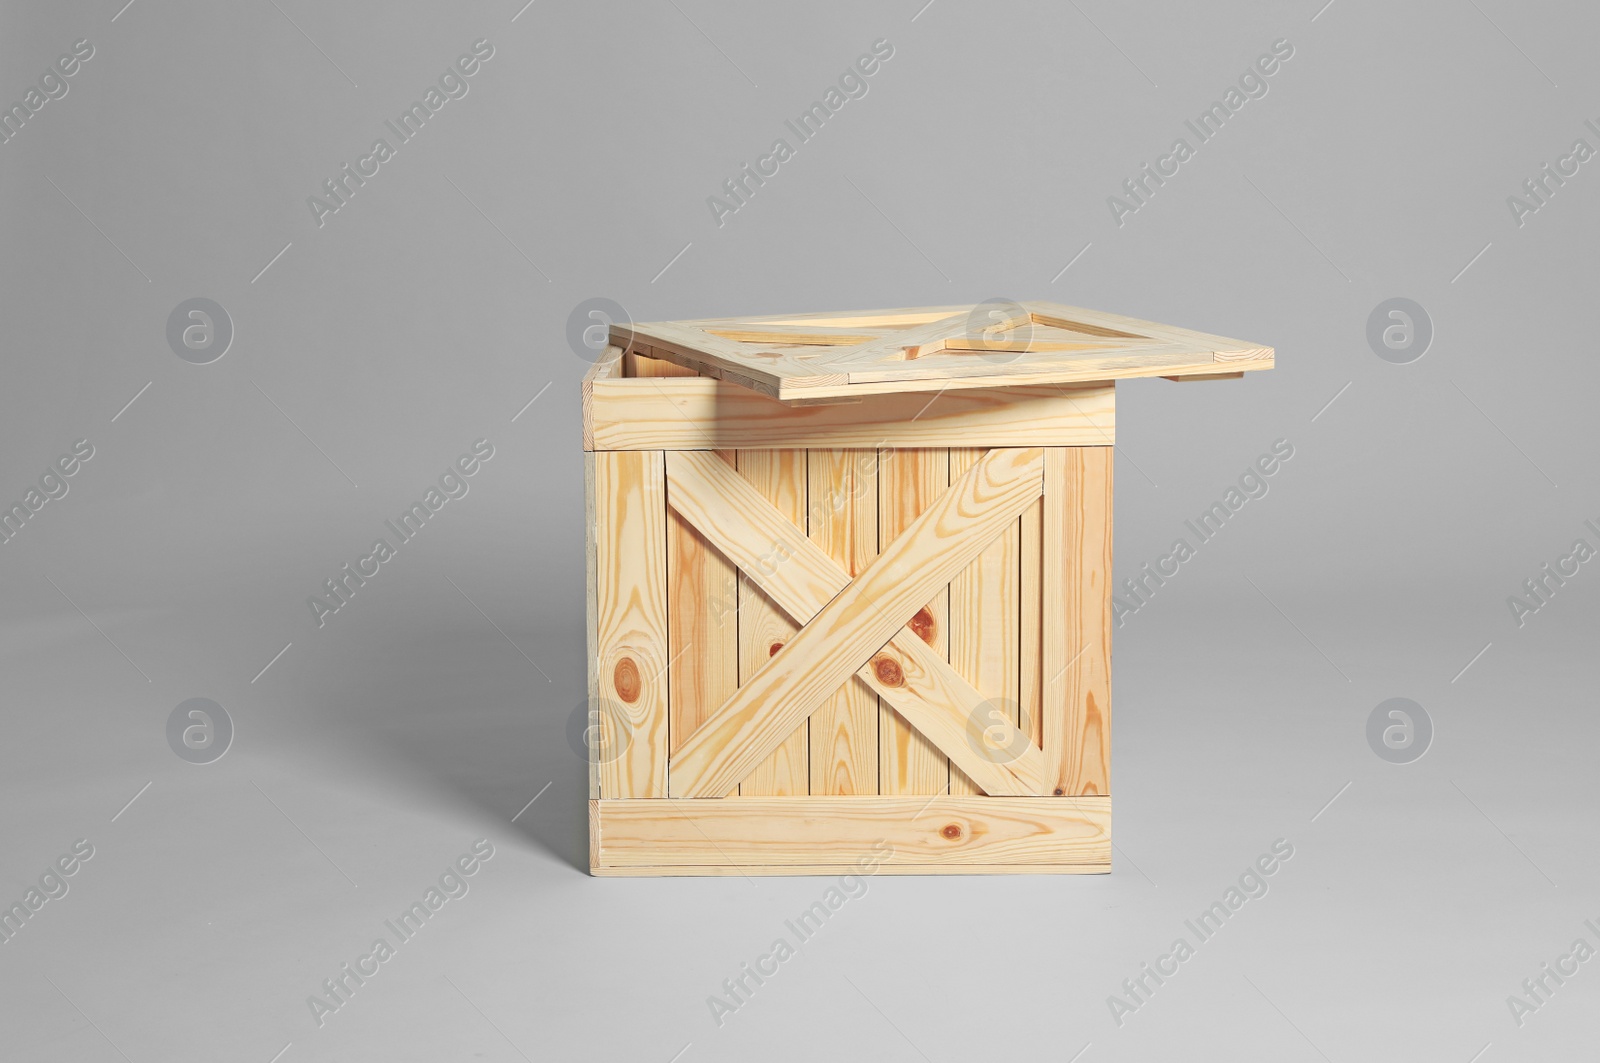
(678, 628)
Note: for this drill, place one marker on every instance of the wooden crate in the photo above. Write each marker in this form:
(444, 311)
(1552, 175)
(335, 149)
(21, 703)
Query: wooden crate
(850, 587)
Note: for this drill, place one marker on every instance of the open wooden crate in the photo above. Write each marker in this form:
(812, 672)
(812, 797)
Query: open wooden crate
(850, 586)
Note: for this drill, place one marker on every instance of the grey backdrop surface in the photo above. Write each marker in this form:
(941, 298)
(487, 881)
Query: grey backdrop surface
(430, 311)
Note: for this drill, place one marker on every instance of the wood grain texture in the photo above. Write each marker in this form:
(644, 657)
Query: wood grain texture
(830, 870)
(907, 673)
(698, 413)
(779, 476)
(1053, 358)
(1076, 621)
(1053, 344)
(1102, 323)
(1084, 323)
(899, 344)
(985, 614)
(969, 376)
(934, 835)
(591, 615)
(842, 519)
(631, 622)
(607, 368)
(702, 628)
(806, 335)
(638, 362)
(909, 480)
(860, 617)
(723, 359)
(1030, 631)
(921, 340)
(594, 840)
(901, 317)
(942, 708)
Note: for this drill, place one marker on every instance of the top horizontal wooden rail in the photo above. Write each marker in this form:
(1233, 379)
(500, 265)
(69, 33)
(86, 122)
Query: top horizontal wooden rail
(697, 413)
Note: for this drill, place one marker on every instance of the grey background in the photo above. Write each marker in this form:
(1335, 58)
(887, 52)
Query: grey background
(428, 712)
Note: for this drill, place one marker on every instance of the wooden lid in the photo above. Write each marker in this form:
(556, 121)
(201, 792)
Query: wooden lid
(839, 356)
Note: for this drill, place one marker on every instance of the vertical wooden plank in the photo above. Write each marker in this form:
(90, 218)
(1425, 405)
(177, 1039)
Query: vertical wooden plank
(780, 477)
(1077, 618)
(1030, 682)
(985, 619)
(909, 480)
(591, 614)
(702, 628)
(842, 518)
(631, 621)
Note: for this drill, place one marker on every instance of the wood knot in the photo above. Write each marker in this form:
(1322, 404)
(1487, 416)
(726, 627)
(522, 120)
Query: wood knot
(625, 677)
(887, 669)
(772, 650)
(1059, 792)
(951, 831)
(923, 625)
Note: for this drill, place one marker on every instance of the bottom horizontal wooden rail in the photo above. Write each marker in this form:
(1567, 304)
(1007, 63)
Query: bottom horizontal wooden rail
(942, 835)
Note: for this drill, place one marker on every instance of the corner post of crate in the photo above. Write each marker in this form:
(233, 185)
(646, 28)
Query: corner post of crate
(629, 641)
(1077, 619)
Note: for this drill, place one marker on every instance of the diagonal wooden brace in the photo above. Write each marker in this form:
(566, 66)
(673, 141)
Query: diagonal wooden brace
(958, 330)
(845, 622)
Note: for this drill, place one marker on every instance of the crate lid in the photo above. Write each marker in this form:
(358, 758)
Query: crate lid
(830, 357)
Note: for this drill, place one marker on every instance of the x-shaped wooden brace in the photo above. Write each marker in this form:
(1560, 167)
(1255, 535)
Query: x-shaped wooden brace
(845, 624)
